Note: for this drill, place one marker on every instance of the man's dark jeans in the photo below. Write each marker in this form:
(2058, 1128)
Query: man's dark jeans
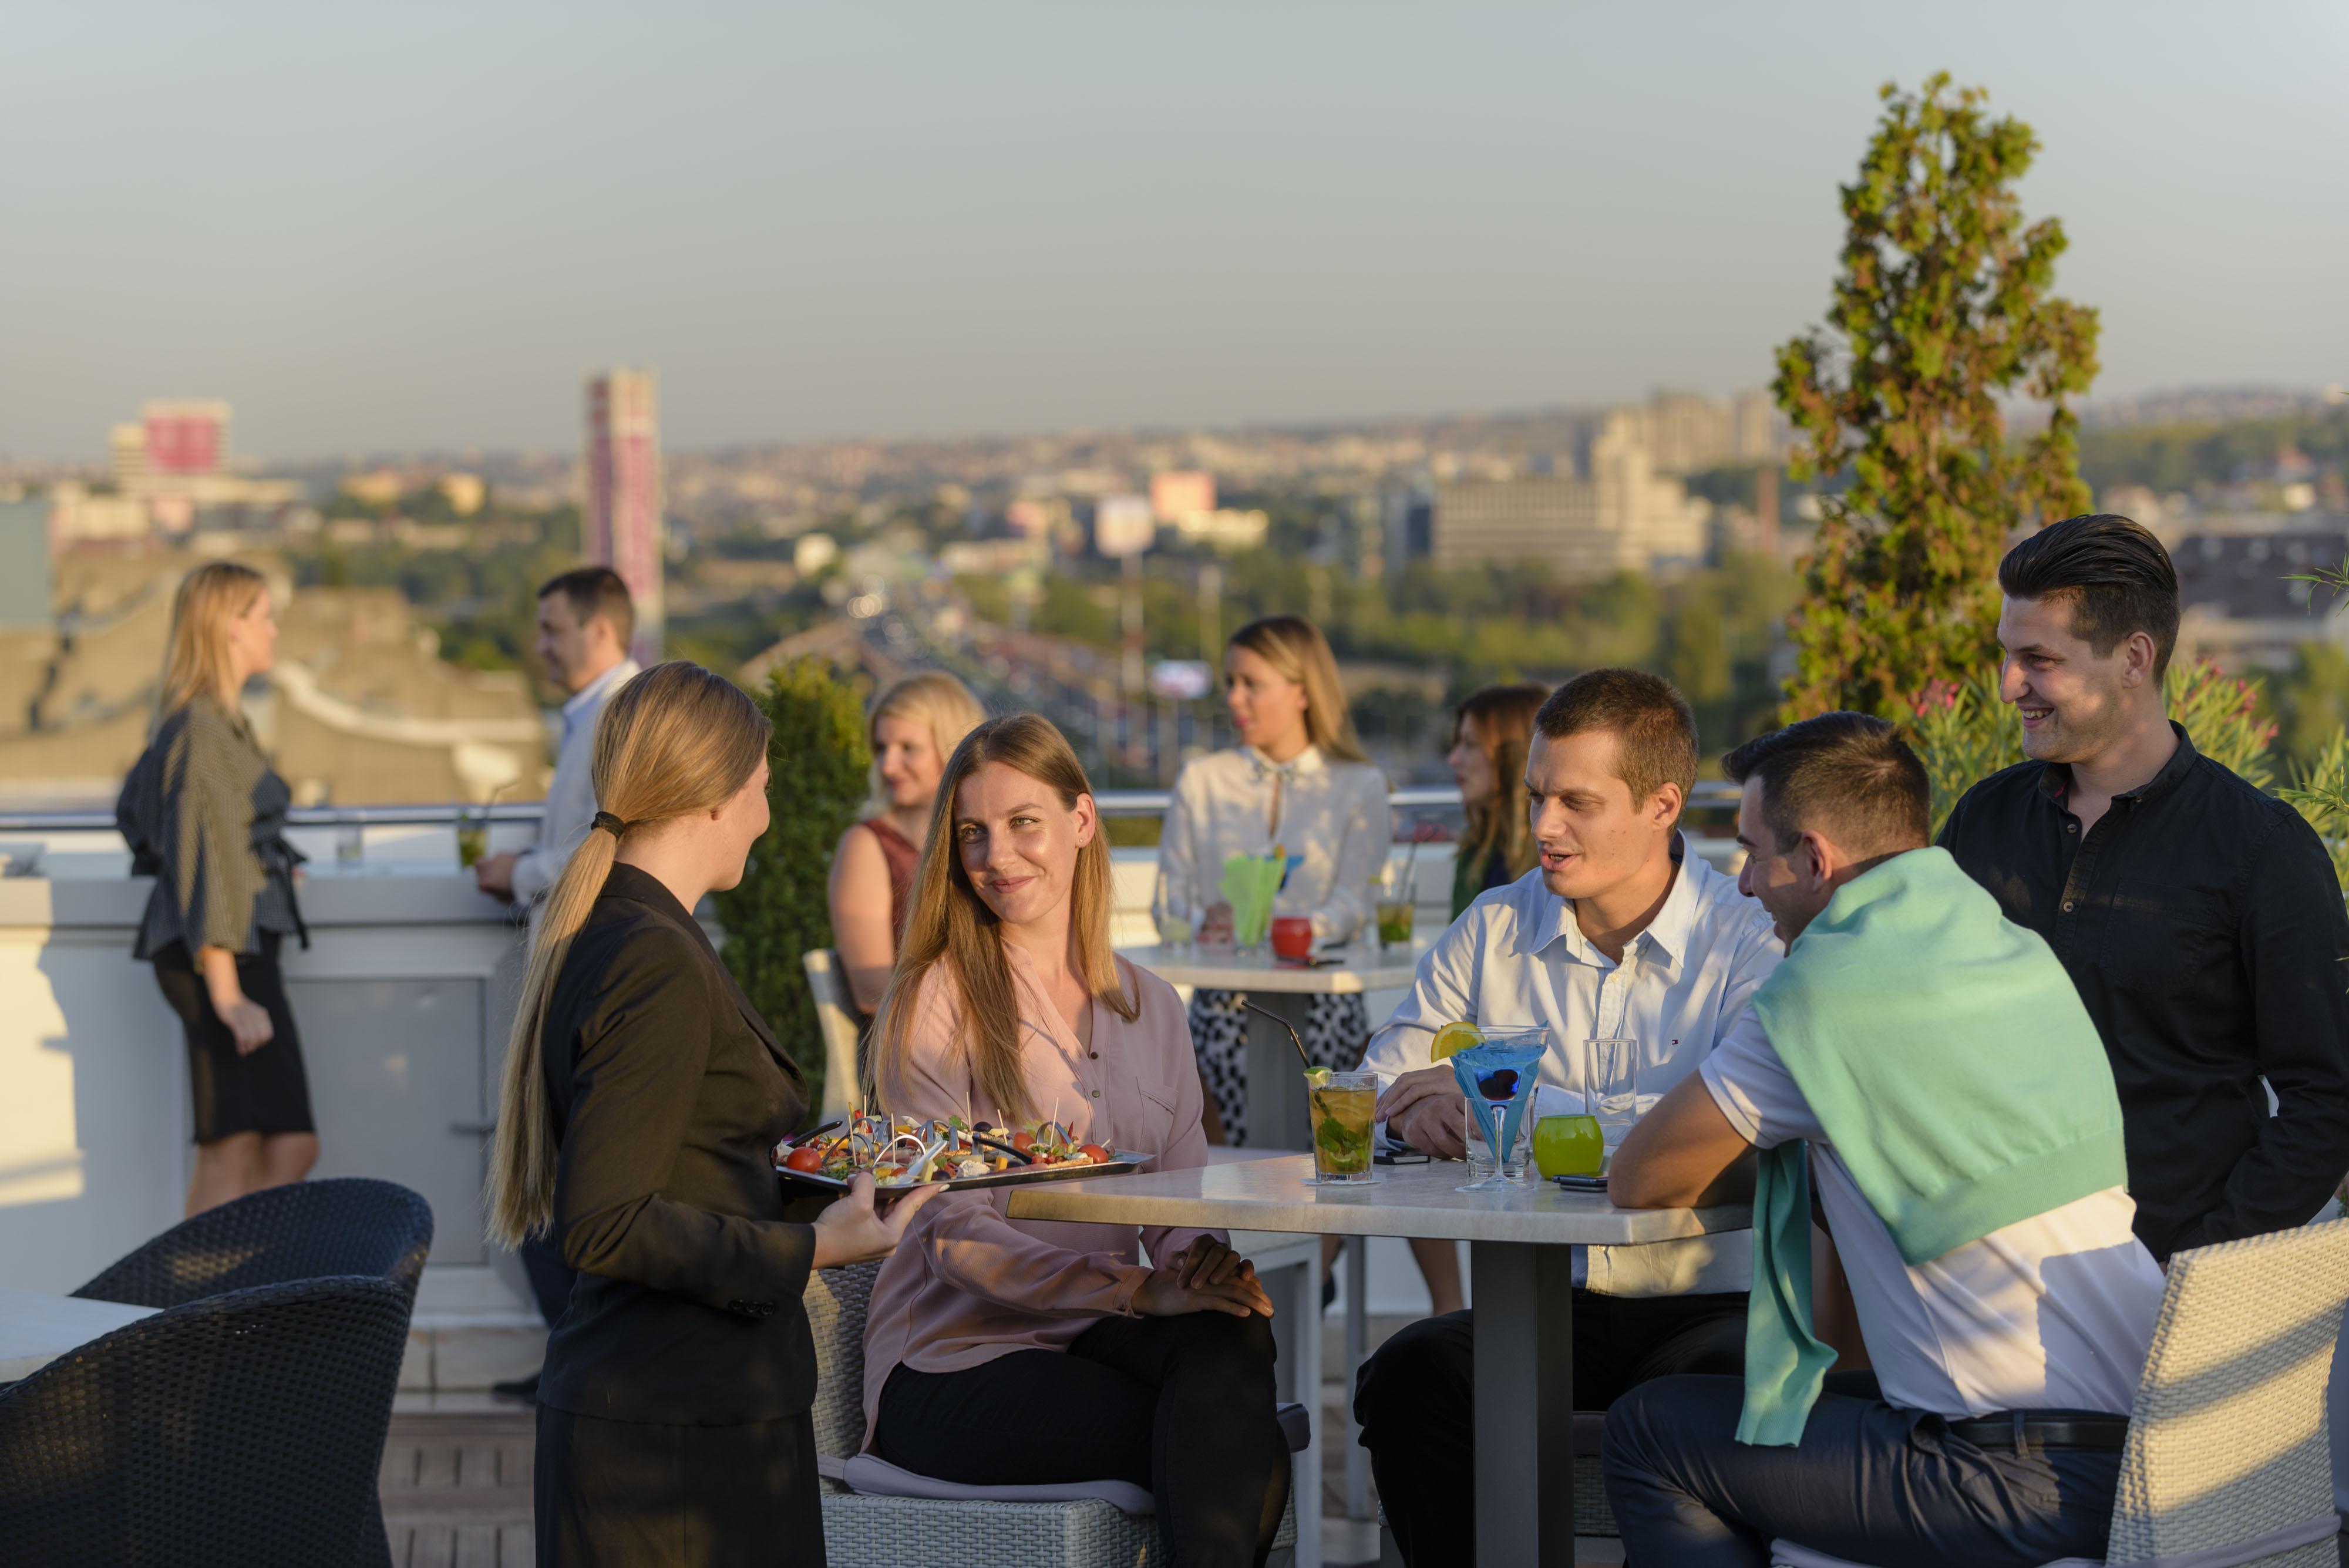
(1869, 1483)
(1416, 1401)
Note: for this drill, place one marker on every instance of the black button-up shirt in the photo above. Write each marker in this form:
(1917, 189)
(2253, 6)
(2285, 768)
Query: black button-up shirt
(2204, 927)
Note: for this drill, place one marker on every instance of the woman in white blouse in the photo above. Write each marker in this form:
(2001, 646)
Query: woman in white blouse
(1297, 779)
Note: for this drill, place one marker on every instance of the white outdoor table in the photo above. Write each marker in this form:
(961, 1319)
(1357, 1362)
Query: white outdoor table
(1521, 1271)
(35, 1330)
(1276, 1084)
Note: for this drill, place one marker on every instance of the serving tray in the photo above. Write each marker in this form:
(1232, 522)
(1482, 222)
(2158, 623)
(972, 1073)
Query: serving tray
(1017, 1176)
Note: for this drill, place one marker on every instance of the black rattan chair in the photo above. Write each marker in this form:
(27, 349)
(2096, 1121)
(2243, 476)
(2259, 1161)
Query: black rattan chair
(305, 1230)
(240, 1430)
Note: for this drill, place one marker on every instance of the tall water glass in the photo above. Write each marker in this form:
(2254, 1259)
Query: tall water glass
(1610, 1084)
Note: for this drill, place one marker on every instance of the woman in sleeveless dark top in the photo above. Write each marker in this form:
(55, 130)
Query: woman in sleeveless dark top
(914, 727)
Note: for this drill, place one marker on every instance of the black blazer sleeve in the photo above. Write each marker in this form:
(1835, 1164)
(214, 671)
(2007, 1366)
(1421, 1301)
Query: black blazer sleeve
(642, 1053)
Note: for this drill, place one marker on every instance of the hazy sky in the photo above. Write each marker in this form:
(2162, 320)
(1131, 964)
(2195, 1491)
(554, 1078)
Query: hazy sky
(398, 226)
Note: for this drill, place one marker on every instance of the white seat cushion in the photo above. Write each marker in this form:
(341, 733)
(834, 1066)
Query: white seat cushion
(876, 1477)
(1787, 1554)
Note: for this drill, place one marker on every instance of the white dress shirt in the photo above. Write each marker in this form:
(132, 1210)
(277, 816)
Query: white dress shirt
(1516, 956)
(571, 796)
(2054, 1312)
(1334, 814)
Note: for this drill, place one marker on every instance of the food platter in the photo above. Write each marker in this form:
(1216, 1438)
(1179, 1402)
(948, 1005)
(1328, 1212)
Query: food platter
(1123, 1160)
(899, 1152)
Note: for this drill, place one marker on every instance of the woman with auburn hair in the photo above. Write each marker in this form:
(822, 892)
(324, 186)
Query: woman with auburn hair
(1297, 780)
(1491, 730)
(641, 1098)
(205, 814)
(1008, 1005)
(914, 726)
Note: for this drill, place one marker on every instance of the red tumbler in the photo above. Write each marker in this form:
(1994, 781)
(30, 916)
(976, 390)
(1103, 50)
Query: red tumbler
(1292, 938)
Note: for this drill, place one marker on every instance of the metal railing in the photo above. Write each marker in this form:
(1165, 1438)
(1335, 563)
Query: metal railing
(1710, 794)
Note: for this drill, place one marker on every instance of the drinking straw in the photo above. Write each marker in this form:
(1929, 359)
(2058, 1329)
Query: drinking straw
(1284, 1023)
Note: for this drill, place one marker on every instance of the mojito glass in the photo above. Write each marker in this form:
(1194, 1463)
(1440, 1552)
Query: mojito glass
(1343, 1105)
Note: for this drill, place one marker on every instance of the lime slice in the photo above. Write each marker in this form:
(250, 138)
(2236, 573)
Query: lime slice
(1317, 1076)
(1453, 1039)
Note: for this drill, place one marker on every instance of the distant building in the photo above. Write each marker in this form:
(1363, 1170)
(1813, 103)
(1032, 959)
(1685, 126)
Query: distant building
(1123, 526)
(1685, 433)
(622, 525)
(185, 439)
(1624, 517)
(24, 566)
(1223, 528)
(2240, 609)
(1178, 493)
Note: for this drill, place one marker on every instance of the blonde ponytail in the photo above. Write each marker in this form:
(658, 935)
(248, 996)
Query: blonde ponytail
(673, 741)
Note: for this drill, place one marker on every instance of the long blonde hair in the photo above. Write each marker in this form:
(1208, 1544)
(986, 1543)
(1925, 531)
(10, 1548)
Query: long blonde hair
(674, 741)
(1298, 652)
(195, 660)
(933, 698)
(949, 923)
(1505, 728)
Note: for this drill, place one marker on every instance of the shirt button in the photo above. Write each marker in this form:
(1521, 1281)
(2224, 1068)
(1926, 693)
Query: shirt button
(1096, 1094)
(1094, 1054)
(2067, 906)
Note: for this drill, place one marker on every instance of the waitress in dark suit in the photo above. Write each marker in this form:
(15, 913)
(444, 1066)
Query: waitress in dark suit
(642, 1096)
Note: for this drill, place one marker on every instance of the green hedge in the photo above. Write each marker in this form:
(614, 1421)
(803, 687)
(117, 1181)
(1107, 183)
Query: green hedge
(818, 760)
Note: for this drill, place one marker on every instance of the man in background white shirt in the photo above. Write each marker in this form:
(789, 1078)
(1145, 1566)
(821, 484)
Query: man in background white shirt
(585, 620)
(1620, 932)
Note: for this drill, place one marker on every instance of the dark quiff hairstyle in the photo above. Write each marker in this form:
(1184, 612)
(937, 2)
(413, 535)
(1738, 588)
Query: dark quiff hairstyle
(1849, 776)
(2113, 573)
(594, 591)
(1652, 720)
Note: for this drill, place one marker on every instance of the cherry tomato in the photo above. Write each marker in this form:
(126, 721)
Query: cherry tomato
(1099, 1155)
(1023, 1141)
(804, 1160)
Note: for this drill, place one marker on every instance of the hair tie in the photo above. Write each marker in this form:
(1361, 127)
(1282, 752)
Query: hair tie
(609, 823)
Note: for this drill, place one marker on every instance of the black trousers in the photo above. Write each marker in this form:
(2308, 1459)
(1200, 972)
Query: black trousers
(641, 1494)
(1182, 1406)
(1868, 1482)
(1416, 1401)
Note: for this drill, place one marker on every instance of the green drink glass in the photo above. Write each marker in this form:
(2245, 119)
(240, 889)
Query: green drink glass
(1568, 1145)
(1343, 1105)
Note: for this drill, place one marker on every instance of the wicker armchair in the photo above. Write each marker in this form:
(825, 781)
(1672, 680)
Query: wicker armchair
(862, 1532)
(305, 1230)
(239, 1429)
(2229, 1460)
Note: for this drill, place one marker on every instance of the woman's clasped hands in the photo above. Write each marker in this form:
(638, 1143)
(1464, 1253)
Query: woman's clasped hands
(1205, 1276)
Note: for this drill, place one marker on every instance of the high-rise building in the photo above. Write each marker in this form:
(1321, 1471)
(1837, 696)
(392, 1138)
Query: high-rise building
(622, 525)
(185, 439)
(1178, 493)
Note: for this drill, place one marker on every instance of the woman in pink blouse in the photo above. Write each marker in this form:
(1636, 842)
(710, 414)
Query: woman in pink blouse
(1002, 1352)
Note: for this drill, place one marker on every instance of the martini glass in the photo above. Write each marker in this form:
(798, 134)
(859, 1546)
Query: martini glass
(1497, 1077)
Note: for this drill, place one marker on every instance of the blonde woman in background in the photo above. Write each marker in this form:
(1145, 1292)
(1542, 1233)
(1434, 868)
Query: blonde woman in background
(205, 814)
(1003, 1352)
(642, 1096)
(1297, 779)
(914, 727)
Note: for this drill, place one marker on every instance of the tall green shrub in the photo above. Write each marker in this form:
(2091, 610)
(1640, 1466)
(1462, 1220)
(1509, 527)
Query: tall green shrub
(1944, 306)
(817, 762)
(1965, 734)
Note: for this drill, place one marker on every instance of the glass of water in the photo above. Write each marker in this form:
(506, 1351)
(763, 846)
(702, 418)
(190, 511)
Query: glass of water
(1610, 1084)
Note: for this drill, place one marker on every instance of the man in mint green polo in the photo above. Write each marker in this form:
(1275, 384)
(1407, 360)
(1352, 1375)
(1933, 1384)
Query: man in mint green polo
(1926, 1068)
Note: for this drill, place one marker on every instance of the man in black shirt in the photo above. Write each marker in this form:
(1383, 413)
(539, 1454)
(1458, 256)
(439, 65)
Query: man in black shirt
(2200, 918)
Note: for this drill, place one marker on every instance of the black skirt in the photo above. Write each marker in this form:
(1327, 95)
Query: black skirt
(267, 1092)
(646, 1494)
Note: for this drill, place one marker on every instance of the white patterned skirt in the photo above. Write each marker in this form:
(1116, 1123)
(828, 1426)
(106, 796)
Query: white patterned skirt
(1336, 1031)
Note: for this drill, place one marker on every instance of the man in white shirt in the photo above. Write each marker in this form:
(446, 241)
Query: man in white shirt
(1620, 932)
(2003, 1368)
(585, 620)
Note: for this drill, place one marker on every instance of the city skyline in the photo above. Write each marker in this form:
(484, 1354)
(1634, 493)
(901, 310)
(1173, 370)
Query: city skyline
(419, 233)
